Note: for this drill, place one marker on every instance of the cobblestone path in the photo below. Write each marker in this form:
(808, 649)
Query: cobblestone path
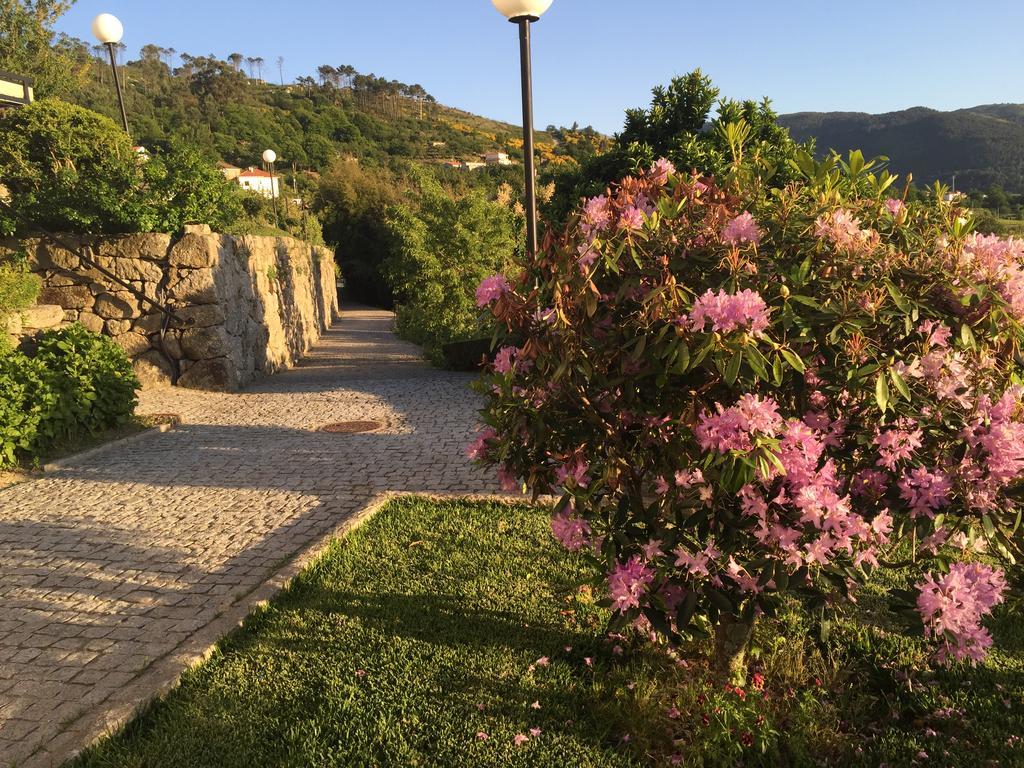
(121, 568)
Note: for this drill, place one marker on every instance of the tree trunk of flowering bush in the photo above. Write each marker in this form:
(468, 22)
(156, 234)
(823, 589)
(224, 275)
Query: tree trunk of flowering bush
(732, 640)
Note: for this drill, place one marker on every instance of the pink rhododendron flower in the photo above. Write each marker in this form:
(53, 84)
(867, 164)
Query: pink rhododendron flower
(895, 207)
(843, 230)
(953, 605)
(508, 480)
(742, 229)
(519, 739)
(925, 491)
(628, 582)
(575, 470)
(478, 448)
(733, 428)
(898, 444)
(572, 532)
(504, 361)
(661, 170)
(491, 289)
(597, 215)
(631, 219)
(728, 312)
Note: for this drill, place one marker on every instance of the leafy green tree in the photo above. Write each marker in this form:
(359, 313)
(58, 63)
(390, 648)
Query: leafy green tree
(70, 169)
(182, 187)
(445, 248)
(27, 44)
(67, 168)
(678, 126)
(353, 203)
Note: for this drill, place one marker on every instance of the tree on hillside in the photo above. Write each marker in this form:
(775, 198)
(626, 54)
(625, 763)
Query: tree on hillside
(236, 60)
(259, 68)
(280, 68)
(678, 126)
(27, 44)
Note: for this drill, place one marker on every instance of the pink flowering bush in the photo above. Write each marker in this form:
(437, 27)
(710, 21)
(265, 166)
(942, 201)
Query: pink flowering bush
(739, 394)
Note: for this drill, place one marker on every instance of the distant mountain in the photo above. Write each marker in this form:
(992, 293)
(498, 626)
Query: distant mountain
(981, 145)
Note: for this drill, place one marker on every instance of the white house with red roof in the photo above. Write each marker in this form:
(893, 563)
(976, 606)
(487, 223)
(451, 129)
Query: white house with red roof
(259, 181)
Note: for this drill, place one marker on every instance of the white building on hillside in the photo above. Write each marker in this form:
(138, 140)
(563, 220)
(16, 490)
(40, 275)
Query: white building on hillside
(261, 182)
(494, 157)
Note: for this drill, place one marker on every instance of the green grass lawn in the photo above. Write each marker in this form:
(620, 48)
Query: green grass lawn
(430, 626)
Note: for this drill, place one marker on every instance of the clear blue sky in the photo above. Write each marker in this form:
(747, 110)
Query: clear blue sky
(594, 58)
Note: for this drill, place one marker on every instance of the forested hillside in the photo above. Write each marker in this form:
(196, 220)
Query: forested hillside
(983, 146)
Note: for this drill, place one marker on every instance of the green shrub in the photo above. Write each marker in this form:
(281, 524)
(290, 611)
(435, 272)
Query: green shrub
(445, 248)
(76, 383)
(19, 288)
(69, 169)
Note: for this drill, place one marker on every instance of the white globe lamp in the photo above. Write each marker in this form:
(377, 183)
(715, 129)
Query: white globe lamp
(514, 10)
(108, 29)
(269, 156)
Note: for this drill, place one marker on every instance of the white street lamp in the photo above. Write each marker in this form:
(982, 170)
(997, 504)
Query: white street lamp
(523, 13)
(109, 30)
(270, 157)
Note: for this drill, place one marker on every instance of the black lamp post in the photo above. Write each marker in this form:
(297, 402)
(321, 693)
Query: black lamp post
(523, 13)
(108, 29)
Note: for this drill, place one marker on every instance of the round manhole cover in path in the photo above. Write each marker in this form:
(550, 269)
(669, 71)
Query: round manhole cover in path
(351, 427)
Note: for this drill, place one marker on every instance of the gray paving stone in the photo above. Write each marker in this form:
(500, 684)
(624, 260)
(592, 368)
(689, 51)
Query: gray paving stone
(119, 562)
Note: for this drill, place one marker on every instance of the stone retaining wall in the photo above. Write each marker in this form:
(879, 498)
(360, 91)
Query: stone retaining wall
(248, 305)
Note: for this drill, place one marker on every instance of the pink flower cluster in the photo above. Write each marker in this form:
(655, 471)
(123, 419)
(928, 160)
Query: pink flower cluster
(572, 532)
(742, 229)
(628, 582)
(925, 491)
(899, 443)
(575, 470)
(491, 289)
(478, 448)
(511, 359)
(953, 605)
(733, 428)
(1000, 261)
(728, 312)
(842, 229)
(660, 171)
(597, 216)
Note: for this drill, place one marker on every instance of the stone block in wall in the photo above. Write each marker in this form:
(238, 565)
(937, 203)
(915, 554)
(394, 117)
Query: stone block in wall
(121, 306)
(134, 344)
(137, 270)
(204, 343)
(171, 345)
(218, 375)
(42, 317)
(151, 246)
(68, 296)
(149, 323)
(117, 327)
(91, 322)
(194, 250)
(49, 255)
(152, 369)
(192, 286)
(202, 316)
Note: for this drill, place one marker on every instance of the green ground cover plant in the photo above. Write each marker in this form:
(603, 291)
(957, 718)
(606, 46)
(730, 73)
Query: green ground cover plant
(459, 634)
(72, 385)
